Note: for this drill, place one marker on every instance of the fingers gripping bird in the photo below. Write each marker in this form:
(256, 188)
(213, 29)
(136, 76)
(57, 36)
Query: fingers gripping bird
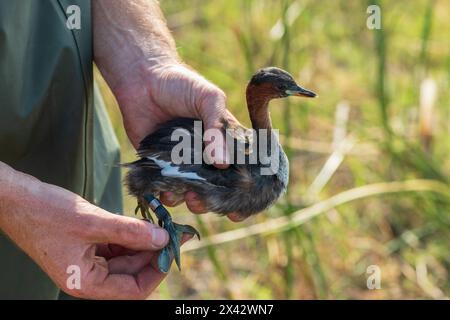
(240, 189)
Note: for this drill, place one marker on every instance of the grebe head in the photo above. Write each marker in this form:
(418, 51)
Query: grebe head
(275, 83)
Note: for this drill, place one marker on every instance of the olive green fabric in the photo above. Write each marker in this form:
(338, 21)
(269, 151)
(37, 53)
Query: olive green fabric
(49, 127)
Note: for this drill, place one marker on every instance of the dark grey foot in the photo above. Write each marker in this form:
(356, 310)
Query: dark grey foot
(142, 206)
(175, 231)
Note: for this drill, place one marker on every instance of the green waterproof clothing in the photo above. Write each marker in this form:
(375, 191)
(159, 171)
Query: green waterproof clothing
(53, 124)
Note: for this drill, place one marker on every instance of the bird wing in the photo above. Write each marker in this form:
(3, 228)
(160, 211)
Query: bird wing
(155, 150)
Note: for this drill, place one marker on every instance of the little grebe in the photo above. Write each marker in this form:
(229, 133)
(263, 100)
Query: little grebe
(242, 188)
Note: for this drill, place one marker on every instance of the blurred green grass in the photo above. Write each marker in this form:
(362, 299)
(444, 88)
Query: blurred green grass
(327, 48)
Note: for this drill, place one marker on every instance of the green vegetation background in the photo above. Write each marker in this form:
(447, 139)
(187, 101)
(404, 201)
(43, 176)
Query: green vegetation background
(369, 82)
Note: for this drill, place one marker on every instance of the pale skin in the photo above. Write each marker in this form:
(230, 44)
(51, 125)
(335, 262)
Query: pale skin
(57, 228)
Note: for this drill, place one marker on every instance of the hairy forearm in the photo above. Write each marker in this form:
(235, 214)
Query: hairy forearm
(13, 186)
(18, 195)
(26, 203)
(129, 34)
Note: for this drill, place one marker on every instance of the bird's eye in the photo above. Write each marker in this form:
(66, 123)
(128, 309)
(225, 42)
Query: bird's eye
(281, 87)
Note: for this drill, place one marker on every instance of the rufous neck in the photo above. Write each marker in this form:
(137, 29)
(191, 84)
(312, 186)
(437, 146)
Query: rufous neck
(258, 109)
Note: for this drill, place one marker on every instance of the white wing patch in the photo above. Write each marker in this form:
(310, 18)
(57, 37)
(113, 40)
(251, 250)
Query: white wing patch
(169, 170)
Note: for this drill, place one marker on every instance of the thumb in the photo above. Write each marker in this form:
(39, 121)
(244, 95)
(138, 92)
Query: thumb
(214, 115)
(132, 233)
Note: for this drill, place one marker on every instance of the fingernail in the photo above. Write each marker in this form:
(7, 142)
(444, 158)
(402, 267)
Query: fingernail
(159, 236)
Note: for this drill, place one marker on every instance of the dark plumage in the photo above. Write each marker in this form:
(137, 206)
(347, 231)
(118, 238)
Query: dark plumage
(241, 188)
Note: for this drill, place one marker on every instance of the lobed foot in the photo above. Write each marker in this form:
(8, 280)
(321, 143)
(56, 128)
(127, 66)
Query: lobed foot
(175, 232)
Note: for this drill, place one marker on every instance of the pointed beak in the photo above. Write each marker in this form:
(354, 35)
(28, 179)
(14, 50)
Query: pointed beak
(301, 92)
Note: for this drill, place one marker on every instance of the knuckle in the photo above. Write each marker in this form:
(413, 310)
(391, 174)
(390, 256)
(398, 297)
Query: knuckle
(166, 199)
(215, 96)
(220, 94)
(132, 229)
(85, 225)
(91, 226)
(195, 207)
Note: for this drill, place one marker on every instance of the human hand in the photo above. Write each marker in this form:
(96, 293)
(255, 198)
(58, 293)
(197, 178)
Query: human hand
(170, 91)
(116, 256)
